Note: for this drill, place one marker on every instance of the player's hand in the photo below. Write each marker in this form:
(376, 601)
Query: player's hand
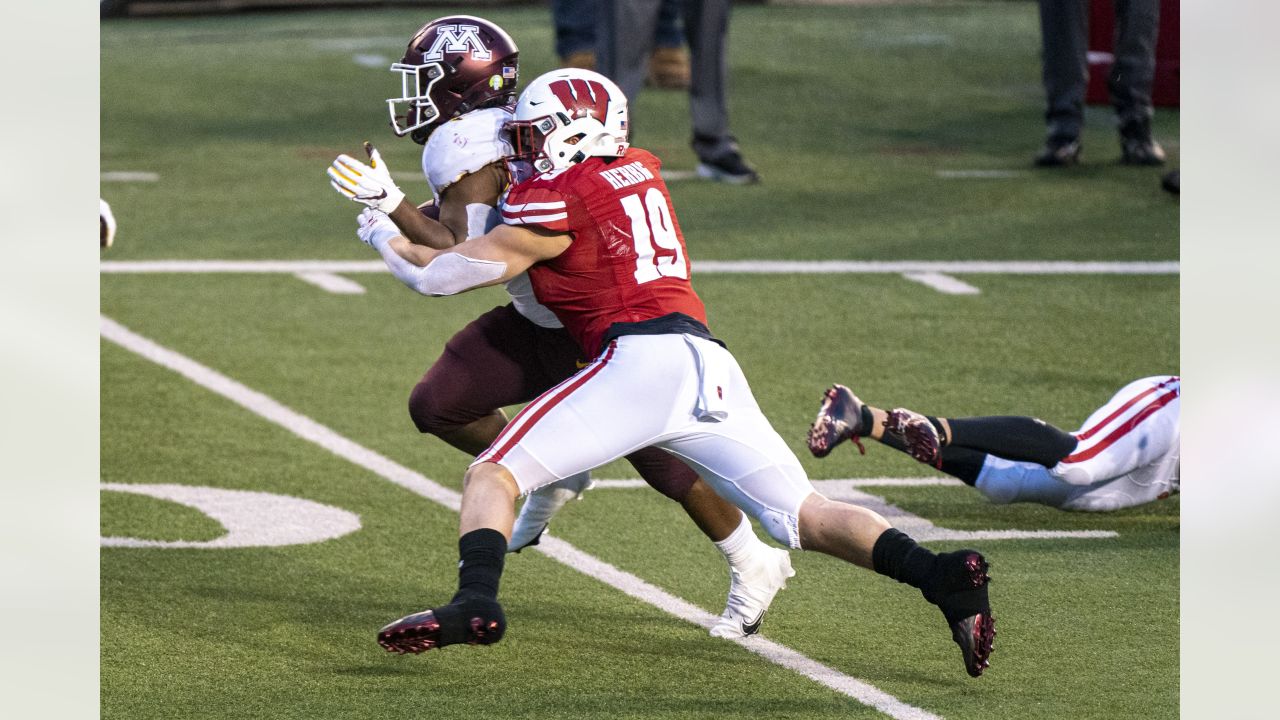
(370, 184)
(375, 228)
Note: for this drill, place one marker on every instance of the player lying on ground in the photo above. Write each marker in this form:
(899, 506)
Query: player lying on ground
(458, 80)
(1125, 454)
(592, 224)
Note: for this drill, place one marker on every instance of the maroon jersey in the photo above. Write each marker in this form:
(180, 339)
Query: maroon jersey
(627, 262)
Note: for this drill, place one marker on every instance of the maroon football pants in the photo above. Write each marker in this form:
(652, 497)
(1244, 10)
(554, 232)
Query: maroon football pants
(501, 359)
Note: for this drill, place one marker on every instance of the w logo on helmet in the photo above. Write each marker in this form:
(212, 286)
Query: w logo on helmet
(582, 98)
(457, 39)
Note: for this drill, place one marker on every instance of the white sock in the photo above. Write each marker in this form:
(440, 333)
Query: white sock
(740, 545)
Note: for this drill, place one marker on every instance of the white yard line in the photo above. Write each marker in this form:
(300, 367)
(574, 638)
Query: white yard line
(978, 174)
(760, 267)
(332, 283)
(933, 274)
(679, 175)
(250, 518)
(371, 60)
(632, 585)
(291, 267)
(958, 267)
(942, 283)
(128, 176)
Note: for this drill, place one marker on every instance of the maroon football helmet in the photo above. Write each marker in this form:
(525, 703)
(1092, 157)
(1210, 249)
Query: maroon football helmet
(453, 65)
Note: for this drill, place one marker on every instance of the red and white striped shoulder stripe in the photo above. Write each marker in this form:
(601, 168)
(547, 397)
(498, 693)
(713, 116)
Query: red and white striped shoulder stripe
(535, 211)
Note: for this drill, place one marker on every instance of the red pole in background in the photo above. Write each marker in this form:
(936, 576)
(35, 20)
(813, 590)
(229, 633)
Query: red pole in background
(1102, 29)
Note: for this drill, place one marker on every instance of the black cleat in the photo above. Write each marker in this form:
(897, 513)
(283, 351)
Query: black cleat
(962, 595)
(917, 433)
(1141, 152)
(1136, 145)
(976, 637)
(475, 621)
(1059, 151)
(728, 167)
(839, 419)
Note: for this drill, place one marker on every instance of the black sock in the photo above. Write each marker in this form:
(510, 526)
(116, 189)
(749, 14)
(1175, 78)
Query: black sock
(481, 555)
(894, 441)
(867, 419)
(1013, 438)
(896, 555)
(962, 463)
(942, 432)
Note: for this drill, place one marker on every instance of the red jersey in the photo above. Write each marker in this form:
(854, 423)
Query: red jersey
(627, 262)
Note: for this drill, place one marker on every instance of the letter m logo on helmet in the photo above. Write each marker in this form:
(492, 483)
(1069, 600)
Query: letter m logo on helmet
(582, 98)
(457, 39)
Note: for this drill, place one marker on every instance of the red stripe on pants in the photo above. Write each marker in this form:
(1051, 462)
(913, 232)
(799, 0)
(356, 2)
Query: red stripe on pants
(536, 409)
(1085, 435)
(1124, 429)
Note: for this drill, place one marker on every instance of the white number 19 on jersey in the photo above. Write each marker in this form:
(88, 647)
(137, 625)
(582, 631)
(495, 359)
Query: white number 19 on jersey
(651, 225)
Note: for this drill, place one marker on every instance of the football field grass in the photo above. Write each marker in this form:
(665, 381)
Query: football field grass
(898, 133)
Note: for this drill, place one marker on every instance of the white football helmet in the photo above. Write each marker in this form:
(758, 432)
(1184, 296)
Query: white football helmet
(565, 116)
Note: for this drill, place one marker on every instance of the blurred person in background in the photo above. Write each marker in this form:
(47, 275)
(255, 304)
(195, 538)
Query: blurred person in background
(625, 42)
(1064, 31)
(576, 22)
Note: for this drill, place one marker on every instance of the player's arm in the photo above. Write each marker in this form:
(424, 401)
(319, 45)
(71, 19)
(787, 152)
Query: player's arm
(482, 187)
(371, 185)
(490, 259)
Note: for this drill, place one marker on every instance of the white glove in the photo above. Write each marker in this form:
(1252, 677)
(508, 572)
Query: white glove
(376, 229)
(369, 184)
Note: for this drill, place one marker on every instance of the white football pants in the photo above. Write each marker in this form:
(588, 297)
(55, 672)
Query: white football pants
(1128, 455)
(682, 393)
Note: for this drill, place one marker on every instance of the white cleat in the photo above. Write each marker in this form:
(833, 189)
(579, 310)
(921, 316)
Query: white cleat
(751, 592)
(541, 505)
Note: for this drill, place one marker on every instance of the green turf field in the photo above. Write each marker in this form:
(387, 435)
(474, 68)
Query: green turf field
(240, 115)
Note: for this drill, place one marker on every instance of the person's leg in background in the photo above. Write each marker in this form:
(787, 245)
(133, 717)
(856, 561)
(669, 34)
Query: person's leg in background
(575, 22)
(1064, 33)
(669, 64)
(706, 26)
(1137, 25)
(624, 40)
